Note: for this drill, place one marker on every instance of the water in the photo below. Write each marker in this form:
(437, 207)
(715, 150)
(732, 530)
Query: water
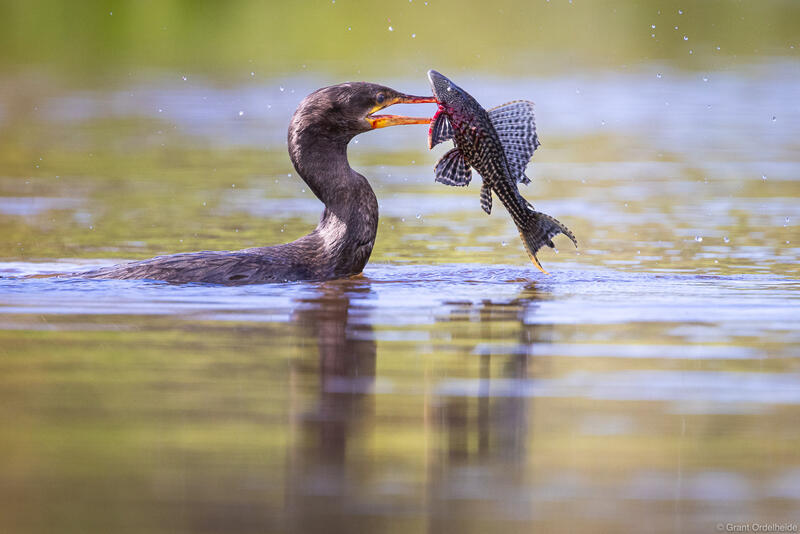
(416, 397)
(650, 383)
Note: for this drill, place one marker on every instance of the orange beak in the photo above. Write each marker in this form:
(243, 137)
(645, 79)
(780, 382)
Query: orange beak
(382, 121)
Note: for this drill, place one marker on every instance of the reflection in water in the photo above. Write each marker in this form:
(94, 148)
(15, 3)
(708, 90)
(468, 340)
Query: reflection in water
(476, 445)
(480, 468)
(318, 461)
(419, 399)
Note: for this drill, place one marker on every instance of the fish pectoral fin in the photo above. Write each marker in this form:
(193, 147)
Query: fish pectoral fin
(516, 128)
(486, 198)
(440, 130)
(453, 169)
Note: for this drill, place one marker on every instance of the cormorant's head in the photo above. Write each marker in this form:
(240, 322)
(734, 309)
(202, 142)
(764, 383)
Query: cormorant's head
(349, 109)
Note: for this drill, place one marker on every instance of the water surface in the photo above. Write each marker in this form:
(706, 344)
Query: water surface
(650, 383)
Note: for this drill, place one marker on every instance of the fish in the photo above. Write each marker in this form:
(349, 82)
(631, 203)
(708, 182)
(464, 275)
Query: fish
(498, 143)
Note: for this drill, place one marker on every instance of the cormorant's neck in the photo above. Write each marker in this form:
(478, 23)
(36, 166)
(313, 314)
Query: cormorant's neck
(349, 223)
(321, 162)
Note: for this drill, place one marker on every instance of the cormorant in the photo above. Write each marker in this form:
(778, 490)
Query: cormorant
(340, 245)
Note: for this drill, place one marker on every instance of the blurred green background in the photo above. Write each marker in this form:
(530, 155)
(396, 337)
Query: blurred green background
(227, 40)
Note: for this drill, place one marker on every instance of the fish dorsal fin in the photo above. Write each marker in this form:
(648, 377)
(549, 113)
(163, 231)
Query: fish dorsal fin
(486, 198)
(440, 129)
(516, 128)
(452, 169)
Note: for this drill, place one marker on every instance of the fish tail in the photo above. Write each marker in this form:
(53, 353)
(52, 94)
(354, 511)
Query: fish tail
(537, 230)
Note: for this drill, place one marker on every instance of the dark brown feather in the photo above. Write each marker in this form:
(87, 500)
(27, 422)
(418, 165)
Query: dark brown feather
(321, 128)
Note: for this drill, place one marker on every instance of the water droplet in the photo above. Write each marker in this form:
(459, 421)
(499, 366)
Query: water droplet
(303, 190)
(252, 73)
(204, 203)
(349, 28)
(698, 239)
(705, 78)
(691, 51)
(184, 78)
(764, 177)
(774, 118)
(281, 88)
(786, 222)
(403, 219)
(626, 204)
(680, 12)
(685, 38)
(652, 35)
(503, 244)
(233, 185)
(241, 113)
(653, 26)
(658, 75)
(160, 110)
(419, 215)
(726, 239)
(289, 175)
(676, 27)
(391, 29)
(110, 13)
(413, 35)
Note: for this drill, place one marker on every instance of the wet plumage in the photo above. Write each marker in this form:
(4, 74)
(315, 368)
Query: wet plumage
(340, 245)
(498, 144)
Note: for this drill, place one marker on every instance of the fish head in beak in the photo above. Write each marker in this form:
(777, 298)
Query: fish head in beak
(448, 95)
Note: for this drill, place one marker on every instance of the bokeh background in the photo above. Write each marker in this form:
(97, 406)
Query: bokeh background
(651, 383)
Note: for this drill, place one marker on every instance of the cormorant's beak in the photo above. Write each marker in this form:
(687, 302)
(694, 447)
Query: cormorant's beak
(382, 121)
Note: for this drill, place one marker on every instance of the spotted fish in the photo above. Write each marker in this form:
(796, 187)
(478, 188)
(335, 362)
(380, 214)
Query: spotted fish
(498, 144)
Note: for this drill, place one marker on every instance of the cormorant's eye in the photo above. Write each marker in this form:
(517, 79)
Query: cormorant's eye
(380, 98)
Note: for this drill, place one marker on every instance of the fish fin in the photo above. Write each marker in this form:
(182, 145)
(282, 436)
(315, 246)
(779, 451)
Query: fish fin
(453, 169)
(538, 230)
(516, 128)
(486, 198)
(440, 129)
